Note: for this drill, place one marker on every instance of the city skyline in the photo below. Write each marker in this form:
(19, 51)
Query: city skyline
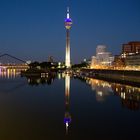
(33, 30)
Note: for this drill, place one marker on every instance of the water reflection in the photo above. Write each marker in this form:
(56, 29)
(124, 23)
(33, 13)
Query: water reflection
(130, 96)
(33, 107)
(49, 80)
(35, 81)
(102, 89)
(9, 73)
(67, 118)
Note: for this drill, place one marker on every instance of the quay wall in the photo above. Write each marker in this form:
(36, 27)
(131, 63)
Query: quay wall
(121, 76)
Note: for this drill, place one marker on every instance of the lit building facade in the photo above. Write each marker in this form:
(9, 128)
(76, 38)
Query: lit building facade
(68, 23)
(133, 60)
(100, 49)
(93, 61)
(131, 55)
(119, 62)
(131, 48)
(102, 58)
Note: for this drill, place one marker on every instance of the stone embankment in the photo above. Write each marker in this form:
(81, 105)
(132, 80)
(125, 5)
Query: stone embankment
(121, 76)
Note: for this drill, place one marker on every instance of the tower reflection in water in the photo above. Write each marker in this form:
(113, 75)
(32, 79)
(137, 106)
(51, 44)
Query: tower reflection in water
(67, 118)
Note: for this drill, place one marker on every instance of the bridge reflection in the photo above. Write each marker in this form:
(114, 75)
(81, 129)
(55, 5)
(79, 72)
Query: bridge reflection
(9, 73)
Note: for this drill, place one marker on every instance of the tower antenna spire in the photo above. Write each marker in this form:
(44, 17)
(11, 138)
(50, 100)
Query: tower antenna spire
(68, 9)
(68, 12)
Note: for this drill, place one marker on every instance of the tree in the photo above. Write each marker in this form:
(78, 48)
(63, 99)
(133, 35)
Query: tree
(34, 64)
(46, 65)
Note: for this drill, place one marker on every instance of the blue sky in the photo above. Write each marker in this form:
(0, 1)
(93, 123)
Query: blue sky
(34, 29)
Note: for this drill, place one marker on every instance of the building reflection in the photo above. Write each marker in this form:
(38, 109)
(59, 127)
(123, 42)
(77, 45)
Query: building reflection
(129, 95)
(35, 81)
(67, 117)
(102, 89)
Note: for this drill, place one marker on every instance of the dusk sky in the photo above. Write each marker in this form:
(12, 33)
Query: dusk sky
(34, 29)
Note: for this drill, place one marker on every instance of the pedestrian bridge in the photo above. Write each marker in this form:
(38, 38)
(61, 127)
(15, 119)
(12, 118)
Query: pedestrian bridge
(16, 67)
(9, 62)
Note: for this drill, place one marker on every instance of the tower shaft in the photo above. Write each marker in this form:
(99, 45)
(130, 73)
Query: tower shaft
(67, 57)
(68, 24)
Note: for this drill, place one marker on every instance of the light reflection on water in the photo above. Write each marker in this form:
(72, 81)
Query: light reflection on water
(63, 106)
(130, 96)
(9, 73)
(67, 118)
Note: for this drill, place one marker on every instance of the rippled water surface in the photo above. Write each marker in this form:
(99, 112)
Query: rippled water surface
(67, 107)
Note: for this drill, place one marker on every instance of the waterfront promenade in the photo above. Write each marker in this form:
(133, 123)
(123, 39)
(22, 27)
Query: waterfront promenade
(121, 76)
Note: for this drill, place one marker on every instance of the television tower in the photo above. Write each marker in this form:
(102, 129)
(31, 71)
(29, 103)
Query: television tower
(68, 23)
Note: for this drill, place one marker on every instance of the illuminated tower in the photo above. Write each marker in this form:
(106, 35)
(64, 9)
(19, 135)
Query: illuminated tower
(67, 118)
(68, 23)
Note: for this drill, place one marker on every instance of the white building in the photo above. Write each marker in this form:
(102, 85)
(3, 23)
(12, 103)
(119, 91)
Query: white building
(102, 58)
(100, 49)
